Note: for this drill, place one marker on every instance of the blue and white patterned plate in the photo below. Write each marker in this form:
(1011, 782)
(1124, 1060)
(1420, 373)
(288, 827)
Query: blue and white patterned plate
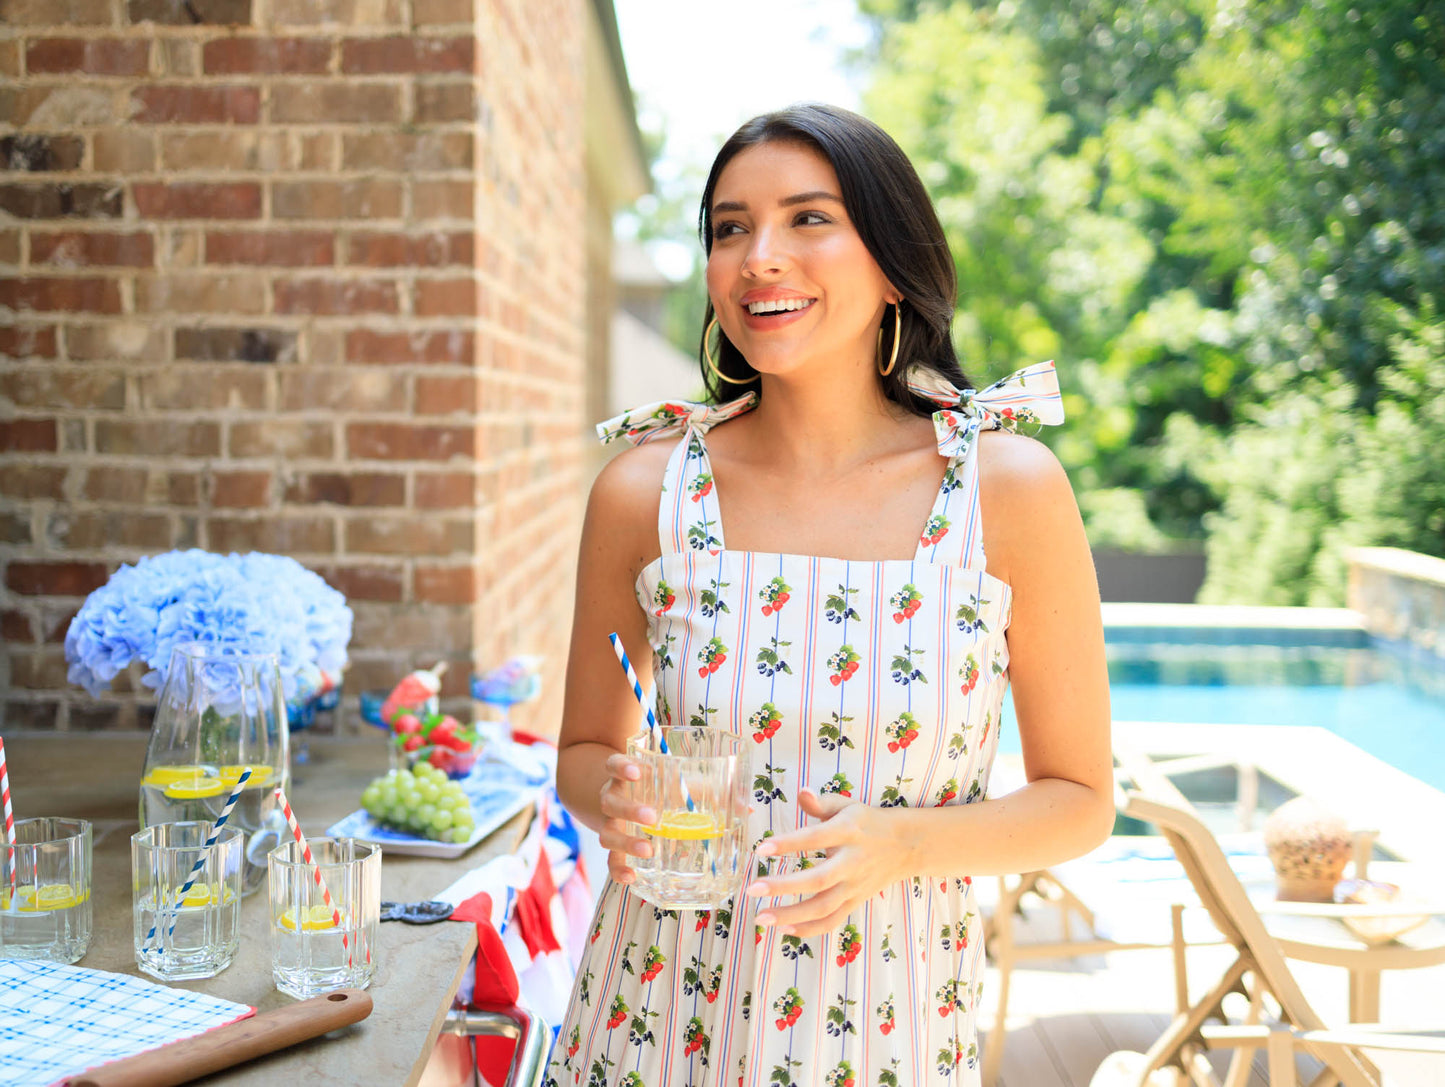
(505, 781)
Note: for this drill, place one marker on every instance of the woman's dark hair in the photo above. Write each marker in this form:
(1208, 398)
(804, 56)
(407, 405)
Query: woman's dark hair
(895, 219)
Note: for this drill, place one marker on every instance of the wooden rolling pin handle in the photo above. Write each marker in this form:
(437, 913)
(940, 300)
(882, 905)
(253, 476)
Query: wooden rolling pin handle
(235, 1043)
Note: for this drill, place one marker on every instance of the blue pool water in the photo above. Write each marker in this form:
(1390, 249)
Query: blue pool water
(1378, 700)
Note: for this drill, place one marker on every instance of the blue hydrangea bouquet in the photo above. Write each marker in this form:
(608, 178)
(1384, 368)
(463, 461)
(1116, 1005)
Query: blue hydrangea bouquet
(242, 604)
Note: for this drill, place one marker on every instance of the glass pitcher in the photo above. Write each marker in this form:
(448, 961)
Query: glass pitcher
(220, 713)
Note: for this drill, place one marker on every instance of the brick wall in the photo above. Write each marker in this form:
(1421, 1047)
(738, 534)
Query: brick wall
(300, 276)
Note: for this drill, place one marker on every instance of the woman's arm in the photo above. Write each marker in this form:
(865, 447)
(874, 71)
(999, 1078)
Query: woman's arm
(1035, 541)
(619, 538)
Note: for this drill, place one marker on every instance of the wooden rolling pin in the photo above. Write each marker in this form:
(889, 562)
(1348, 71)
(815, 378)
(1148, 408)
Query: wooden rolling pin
(235, 1043)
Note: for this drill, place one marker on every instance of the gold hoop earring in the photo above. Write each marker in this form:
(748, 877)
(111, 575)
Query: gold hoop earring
(712, 362)
(884, 371)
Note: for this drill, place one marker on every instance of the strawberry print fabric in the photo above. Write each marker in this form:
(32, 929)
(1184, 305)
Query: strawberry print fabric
(881, 681)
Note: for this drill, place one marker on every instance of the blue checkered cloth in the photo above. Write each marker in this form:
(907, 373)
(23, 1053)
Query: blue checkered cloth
(57, 1021)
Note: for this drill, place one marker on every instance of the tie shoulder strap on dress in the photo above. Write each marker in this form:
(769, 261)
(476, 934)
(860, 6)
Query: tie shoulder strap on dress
(1025, 399)
(670, 419)
(687, 512)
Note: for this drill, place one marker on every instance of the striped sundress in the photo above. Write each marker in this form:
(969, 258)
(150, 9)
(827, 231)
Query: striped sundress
(882, 681)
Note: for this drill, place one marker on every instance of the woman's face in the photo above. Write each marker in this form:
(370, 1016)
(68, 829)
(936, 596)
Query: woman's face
(790, 279)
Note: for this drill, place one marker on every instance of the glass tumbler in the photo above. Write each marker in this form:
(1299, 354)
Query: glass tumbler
(193, 934)
(45, 890)
(316, 946)
(699, 790)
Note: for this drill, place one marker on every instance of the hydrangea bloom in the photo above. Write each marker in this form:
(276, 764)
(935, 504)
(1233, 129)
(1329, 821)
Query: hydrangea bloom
(239, 603)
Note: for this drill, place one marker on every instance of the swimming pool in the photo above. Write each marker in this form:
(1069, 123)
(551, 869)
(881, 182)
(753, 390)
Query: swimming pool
(1380, 699)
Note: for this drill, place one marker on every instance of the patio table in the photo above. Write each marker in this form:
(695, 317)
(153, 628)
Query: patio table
(96, 776)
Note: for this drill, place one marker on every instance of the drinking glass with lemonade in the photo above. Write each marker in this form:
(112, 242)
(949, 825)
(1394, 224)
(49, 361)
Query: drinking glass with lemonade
(699, 790)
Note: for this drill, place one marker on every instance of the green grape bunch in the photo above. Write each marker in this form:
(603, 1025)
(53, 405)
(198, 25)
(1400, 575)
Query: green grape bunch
(422, 801)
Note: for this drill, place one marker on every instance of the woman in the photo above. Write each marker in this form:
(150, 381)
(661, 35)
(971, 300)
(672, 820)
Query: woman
(894, 556)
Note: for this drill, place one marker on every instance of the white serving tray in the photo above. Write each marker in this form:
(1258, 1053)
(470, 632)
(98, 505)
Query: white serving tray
(498, 788)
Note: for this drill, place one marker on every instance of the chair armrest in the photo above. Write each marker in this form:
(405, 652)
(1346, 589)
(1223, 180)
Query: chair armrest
(526, 1028)
(1373, 1037)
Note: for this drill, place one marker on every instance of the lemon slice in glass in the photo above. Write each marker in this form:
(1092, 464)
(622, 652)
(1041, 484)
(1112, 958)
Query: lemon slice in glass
(161, 776)
(200, 783)
(49, 896)
(204, 894)
(259, 775)
(317, 917)
(683, 825)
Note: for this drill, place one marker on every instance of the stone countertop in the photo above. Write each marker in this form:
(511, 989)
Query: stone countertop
(96, 777)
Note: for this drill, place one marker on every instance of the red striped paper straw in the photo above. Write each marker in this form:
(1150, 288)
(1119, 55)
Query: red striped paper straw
(315, 868)
(9, 818)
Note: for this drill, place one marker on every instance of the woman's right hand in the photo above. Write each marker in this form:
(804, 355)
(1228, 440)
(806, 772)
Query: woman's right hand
(620, 811)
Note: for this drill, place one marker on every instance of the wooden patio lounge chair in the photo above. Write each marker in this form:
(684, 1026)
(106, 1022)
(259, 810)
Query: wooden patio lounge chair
(1259, 971)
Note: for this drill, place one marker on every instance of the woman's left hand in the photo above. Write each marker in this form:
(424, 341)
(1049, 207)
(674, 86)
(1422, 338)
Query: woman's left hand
(862, 858)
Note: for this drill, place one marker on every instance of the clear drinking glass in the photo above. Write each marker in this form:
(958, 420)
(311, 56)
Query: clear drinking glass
(697, 850)
(45, 891)
(317, 947)
(194, 936)
(218, 715)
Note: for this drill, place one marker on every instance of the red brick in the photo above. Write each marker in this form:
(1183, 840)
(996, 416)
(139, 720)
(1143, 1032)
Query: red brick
(157, 438)
(56, 12)
(365, 199)
(444, 585)
(28, 481)
(280, 535)
(89, 56)
(9, 247)
(348, 489)
(407, 152)
(403, 441)
(446, 395)
(93, 530)
(446, 297)
(281, 438)
(335, 102)
(42, 671)
(126, 152)
(332, 296)
(55, 293)
(15, 627)
(194, 104)
(190, 12)
(382, 583)
(37, 153)
(368, 345)
(198, 200)
(347, 389)
(235, 344)
(10, 59)
(292, 56)
(242, 490)
(115, 484)
(15, 529)
(442, 12)
(190, 388)
(450, 100)
(331, 12)
(408, 55)
(63, 201)
(428, 250)
(55, 578)
(73, 247)
(432, 200)
(445, 490)
(63, 387)
(190, 294)
(407, 536)
(34, 342)
(277, 248)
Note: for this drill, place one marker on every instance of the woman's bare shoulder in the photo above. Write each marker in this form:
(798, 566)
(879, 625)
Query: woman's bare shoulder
(624, 501)
(1026, 500)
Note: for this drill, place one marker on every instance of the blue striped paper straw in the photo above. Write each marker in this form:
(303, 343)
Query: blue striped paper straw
(647, 706)
(205, 852)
